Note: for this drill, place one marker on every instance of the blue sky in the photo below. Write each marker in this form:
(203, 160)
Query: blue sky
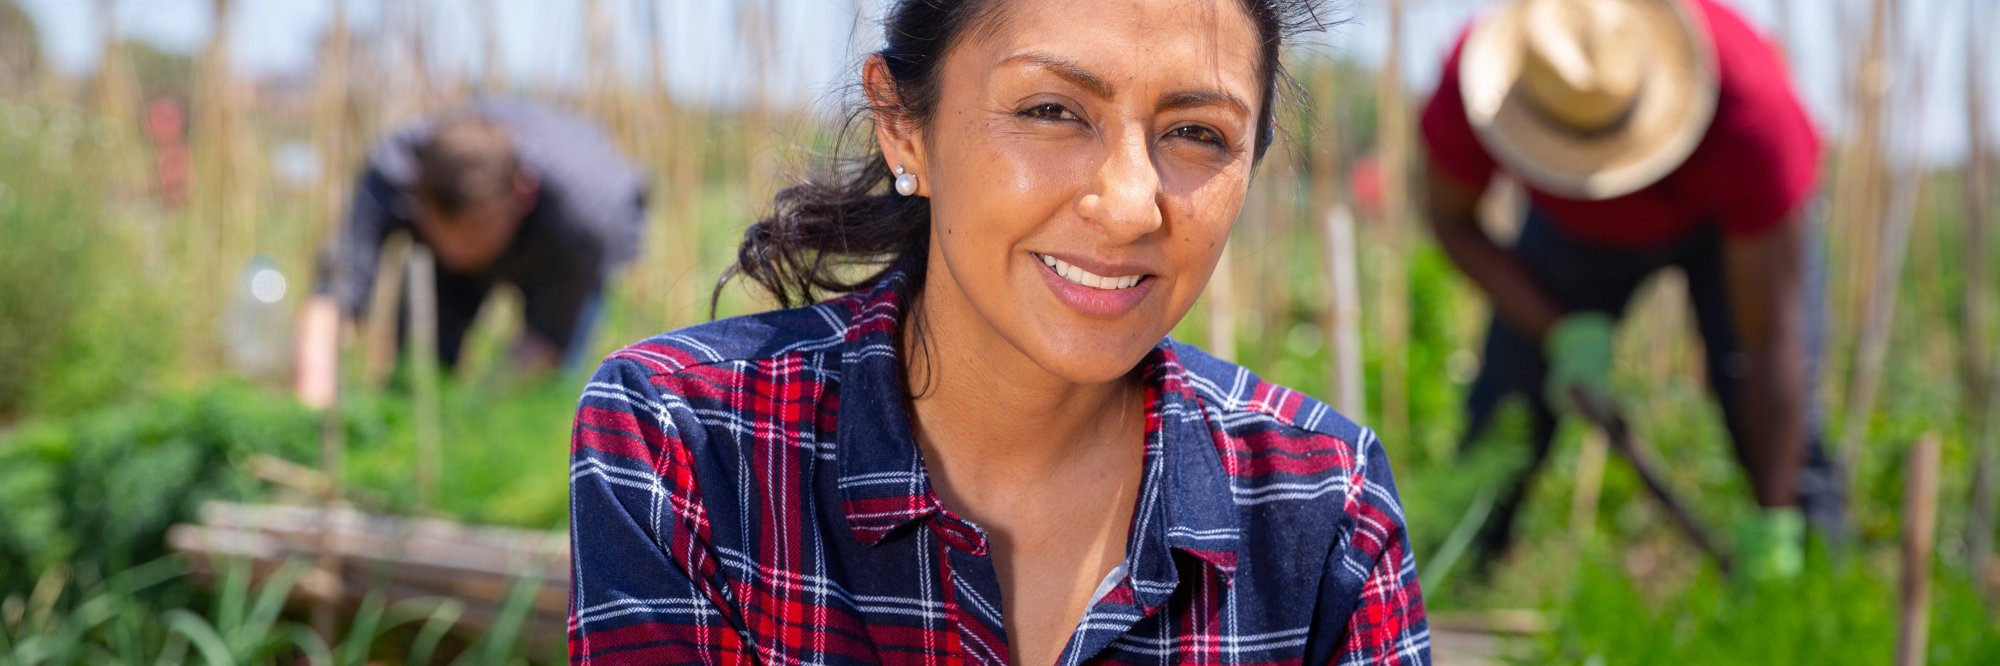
(543, 43)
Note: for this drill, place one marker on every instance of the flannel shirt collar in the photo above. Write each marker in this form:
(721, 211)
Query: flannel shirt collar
(1186, 501)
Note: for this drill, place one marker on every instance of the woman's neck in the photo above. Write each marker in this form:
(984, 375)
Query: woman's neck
(980, 403)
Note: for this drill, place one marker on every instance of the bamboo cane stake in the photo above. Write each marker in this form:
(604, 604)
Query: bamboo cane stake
(691, 123)
(117, 98)
(493, 78)
(680, 236)
(1658, 328)
(239, 184)
(1326, 160)
(656, 55)
(1275, 286)
(1344, 312)
(329, 115)
(1589, 485)
(1258, 303)
(212, 228)
(407, 93)
(378, 334)
(1859, 180)
(1979, 377)
(1906, 185)
(332, 454)
(1221, 295)
(601, 67)
(1341, 322)
(1392, 299)
(420, 57)
(19, 59)
(651, 119)
(1873, 342)
(421, 344)
(751, 33)
(1919, 531)
(111, 75)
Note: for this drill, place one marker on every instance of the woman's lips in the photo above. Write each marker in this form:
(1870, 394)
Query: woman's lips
(1093, 294)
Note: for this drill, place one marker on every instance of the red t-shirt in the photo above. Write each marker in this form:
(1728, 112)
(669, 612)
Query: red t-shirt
(1756, 164)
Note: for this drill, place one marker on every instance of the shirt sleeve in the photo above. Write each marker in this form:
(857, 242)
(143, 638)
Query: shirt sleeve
(1762, 151)
(646, 585)
(371, 215)
(1449, 140)
(1370, 600)
(582, 243)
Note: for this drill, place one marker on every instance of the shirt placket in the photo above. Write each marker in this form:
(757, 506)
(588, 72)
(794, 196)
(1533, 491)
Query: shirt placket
(973, 585)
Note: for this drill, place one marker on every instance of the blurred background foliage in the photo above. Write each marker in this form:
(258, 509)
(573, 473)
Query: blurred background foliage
(125, 403)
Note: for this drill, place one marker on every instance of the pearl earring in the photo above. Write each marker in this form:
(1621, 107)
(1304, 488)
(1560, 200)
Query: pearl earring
(906, 182)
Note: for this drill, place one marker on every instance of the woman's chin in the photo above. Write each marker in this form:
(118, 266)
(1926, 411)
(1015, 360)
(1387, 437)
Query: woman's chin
(1093, 358)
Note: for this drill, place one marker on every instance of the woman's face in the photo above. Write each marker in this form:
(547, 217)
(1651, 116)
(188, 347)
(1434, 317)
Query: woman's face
(1085, 162)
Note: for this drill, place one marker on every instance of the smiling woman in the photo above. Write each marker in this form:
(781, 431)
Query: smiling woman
(986, 449)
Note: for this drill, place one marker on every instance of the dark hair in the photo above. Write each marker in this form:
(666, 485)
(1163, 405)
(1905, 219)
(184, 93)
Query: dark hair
(466, 158)
(821, 232)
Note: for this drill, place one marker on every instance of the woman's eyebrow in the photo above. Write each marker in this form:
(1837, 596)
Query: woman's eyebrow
(1185, 99)
(1069, 70)
(1065, 69)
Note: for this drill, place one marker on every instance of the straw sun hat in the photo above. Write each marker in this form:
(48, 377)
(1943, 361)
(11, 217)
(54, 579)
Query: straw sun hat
(1589, 99)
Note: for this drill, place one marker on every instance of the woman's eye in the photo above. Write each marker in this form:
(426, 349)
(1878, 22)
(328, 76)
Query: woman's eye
(1199, 133)
(1048, 111)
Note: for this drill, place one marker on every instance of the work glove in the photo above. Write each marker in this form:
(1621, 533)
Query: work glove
(1770, 546)
(1578, 348)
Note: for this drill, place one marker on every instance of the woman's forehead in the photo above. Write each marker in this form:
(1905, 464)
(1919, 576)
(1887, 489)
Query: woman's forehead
(1138, 43)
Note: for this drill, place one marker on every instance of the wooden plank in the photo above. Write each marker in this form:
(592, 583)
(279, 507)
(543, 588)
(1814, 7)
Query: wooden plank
(1503, 621)
(483, 600)
(359, 566)
(481, 543)
(357, 554)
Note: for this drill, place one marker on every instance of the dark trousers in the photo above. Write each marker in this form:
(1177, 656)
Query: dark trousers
(1582, 277)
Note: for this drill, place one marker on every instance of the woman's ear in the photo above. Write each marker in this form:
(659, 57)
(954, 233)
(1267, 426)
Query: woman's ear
(895, 132)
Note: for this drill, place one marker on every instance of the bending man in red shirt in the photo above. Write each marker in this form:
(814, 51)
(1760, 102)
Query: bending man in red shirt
(1650, 134)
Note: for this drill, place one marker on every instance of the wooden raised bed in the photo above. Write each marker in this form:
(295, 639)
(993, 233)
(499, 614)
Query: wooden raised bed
(354, 554)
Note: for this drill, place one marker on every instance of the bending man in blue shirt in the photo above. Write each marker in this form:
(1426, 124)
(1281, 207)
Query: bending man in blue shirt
(499, 192)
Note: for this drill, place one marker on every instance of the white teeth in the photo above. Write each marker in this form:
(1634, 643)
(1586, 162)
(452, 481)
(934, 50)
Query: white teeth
(1087, 278)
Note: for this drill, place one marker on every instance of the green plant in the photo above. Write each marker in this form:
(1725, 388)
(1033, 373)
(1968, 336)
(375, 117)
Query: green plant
(134, 617)
(99, 490)
(77, 279)
(46, 215)
(1837, 613)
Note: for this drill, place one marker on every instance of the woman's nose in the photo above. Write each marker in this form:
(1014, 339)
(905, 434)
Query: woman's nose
(1125, 199)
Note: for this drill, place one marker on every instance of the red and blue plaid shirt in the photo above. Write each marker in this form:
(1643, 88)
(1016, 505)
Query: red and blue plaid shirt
(749, 491)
